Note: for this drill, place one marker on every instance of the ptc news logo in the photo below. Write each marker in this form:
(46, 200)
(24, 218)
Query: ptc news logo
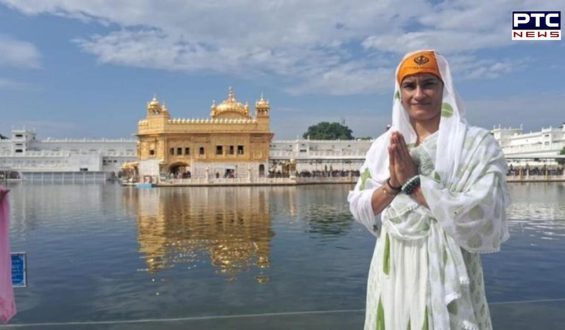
(536, 25)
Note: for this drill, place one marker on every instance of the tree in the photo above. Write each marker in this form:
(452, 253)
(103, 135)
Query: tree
(328, 131)
(561, 161)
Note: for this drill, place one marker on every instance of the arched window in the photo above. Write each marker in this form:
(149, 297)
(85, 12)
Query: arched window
(261, 170)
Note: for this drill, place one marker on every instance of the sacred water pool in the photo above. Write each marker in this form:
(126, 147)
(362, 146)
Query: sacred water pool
(109, 257)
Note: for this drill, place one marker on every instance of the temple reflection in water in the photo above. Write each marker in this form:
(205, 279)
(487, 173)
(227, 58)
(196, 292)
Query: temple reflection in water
(229, 226)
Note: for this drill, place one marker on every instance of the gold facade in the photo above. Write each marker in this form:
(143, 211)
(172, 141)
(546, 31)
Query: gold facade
(230, 136)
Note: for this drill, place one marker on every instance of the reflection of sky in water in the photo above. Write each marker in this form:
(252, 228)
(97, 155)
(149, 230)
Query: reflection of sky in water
(107, 252)
(540, 220)
(531, 264)
(538, 210)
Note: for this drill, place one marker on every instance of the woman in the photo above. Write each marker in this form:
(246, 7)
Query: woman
(433, 189)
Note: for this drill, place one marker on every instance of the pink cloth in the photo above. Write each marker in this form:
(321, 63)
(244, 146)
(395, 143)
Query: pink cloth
(7, 302)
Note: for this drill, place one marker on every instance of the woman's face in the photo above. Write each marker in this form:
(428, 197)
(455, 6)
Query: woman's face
(421, 95)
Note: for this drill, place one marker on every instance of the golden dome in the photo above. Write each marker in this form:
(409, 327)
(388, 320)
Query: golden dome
(230, 107)
(154, 107)
(154, 102)
(262, 103)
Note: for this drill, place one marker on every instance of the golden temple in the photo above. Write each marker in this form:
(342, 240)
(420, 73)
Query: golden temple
(231, 143)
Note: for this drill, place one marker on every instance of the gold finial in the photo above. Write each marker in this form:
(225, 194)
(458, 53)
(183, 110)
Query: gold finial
(154, 100)
(231, 94)
(262, 103)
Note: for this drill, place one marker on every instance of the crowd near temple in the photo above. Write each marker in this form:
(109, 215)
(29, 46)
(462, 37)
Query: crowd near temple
(234, 143)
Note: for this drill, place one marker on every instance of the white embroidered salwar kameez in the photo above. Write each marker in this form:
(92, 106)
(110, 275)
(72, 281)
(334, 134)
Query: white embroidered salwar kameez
(426, 271)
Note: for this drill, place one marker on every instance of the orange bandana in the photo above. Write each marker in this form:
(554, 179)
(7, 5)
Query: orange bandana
(420, 62)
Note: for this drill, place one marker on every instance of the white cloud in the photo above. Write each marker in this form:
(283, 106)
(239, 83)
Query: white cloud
(17, 53)
(445, 41)
(323, 45)
(155, 49)
(473, 67)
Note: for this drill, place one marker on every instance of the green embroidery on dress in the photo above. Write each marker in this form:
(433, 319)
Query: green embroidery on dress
(452, 307)
(366, 175)
(386, 257)
(483, 310)
(437, 178)
(408, 327)
(425, 325)
(468, 144)
(446, 110)
(380, 316)
(444, 254)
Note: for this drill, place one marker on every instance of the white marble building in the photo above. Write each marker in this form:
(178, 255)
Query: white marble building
(320, 155)
(534, 147)
(23, 152)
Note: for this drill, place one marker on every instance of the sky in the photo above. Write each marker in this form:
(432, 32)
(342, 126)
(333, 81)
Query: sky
(74, 69)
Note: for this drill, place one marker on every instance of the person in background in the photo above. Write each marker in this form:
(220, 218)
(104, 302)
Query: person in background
(433, 190)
